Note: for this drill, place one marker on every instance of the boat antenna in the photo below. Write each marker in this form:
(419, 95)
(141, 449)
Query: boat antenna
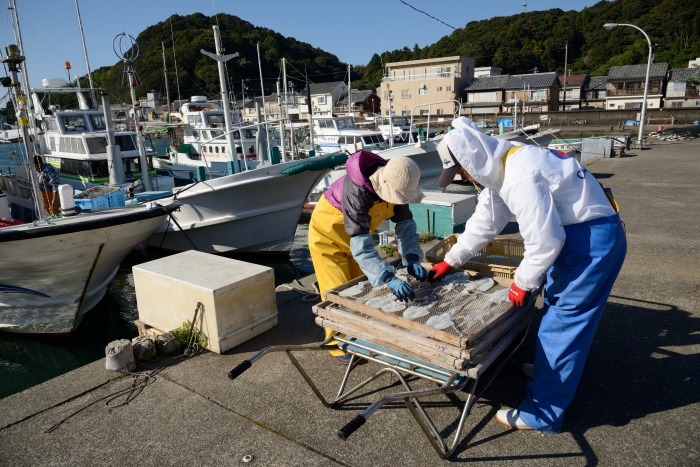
(128, 51)
(87, 60)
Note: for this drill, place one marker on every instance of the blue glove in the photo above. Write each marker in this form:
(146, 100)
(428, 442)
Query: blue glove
(401, 289)
(416, 270)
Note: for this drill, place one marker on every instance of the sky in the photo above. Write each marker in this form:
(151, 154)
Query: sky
(353, 31)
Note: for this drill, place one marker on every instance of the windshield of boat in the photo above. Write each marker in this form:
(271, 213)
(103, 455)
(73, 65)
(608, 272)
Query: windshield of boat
(215, 120)
(97, 145)
(125, 142)
(98, 122)
(346, 123)
(73, 122)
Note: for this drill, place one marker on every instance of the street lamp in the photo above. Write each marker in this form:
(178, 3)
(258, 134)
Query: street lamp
(609, 27)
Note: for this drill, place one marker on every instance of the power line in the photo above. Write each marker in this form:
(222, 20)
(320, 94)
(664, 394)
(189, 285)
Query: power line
(427, 14)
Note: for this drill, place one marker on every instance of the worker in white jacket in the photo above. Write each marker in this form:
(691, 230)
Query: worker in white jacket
(574, 244)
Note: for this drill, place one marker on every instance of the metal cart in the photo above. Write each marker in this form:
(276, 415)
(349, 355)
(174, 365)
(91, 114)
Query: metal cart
(465, 358)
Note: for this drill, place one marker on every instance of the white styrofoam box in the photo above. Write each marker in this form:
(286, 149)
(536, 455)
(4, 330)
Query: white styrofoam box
(238, 297)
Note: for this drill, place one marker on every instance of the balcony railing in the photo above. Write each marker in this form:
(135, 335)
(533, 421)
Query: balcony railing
(422, 77)
(633, 92)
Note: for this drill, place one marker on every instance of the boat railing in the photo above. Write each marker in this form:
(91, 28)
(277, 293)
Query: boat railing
(429, 106)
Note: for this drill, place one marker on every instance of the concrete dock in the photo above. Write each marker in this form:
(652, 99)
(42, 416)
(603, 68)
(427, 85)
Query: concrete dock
(638, 402)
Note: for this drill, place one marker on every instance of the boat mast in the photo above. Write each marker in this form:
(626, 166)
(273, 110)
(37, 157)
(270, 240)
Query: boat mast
(87, 60)
(22, 105)
(128, 57)
(262, 90)
(220, 60)
(286, 103)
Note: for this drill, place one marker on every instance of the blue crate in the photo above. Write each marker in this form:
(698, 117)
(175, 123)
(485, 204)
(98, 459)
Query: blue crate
(100, 197)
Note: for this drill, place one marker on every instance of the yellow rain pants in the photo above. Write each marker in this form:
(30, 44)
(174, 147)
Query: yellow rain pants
(329, 246)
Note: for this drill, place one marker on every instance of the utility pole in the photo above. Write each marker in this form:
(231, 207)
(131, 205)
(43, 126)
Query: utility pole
(165, 73)
(566, 57)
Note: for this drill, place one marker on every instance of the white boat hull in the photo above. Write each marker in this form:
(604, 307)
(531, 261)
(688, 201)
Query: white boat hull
(257, 210)
(55, 272)
(423, 154)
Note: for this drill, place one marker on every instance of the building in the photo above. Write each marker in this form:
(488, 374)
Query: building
(362, 103)
(594, 93)
(572, 91)
(425, 87)
(484, 97)
(536, 92)
(487, 71)
(324, 98)
(626, 86)
(682, 88)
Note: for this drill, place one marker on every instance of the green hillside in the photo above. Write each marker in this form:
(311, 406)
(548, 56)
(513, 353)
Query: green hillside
(518, 44)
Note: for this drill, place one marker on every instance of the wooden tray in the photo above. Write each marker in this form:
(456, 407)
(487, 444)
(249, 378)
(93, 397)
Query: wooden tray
(461, 342)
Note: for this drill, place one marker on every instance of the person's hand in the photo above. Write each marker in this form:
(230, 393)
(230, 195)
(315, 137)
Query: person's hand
(439, 271)
(416, 270)
(518, 296)
(401, 289)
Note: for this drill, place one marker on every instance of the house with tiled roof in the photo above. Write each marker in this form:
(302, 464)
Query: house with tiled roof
(571, 92)
(626, 86)
(325, 97)
(682, 88)
(536, 92)
(361, 103)
(484, 96)
(594, 93)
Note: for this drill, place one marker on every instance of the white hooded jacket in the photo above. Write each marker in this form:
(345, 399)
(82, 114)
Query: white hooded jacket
(545, 190)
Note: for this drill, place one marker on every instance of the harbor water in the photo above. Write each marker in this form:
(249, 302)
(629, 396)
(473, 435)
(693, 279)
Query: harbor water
(26, 361)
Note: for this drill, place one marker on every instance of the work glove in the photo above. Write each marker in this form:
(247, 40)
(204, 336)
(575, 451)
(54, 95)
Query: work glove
(416, 270)
(439, 271)
(518, 296)
(401, 289)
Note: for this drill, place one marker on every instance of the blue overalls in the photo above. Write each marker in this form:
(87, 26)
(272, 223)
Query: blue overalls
(577, 288)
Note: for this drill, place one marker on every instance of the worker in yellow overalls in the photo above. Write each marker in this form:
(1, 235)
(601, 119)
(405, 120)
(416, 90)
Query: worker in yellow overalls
(340, 240)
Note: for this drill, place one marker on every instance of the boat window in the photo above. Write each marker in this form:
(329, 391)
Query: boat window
(51, 124)
(81, 146)
(215, 120)
(99, 168)
(52, 144)
(216, 149)
(325, 123)
(97, 145)
(194, 119)
(125, 142)
(249, 134)
(73, 122)
(98, 122)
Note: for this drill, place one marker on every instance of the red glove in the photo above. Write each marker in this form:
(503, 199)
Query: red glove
(518, 296)
(439, 271)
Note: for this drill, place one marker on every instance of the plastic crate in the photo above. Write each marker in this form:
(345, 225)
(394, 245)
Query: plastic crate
(500, 258)
(100, 197)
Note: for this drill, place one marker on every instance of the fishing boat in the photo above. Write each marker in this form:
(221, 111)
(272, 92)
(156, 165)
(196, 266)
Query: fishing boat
(204, 145)
(255, 207)
(56, 269)
(530, 134)
(397, 129)
(340, 134)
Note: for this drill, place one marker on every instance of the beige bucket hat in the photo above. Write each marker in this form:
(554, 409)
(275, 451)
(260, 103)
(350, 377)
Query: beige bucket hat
(397, 181)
